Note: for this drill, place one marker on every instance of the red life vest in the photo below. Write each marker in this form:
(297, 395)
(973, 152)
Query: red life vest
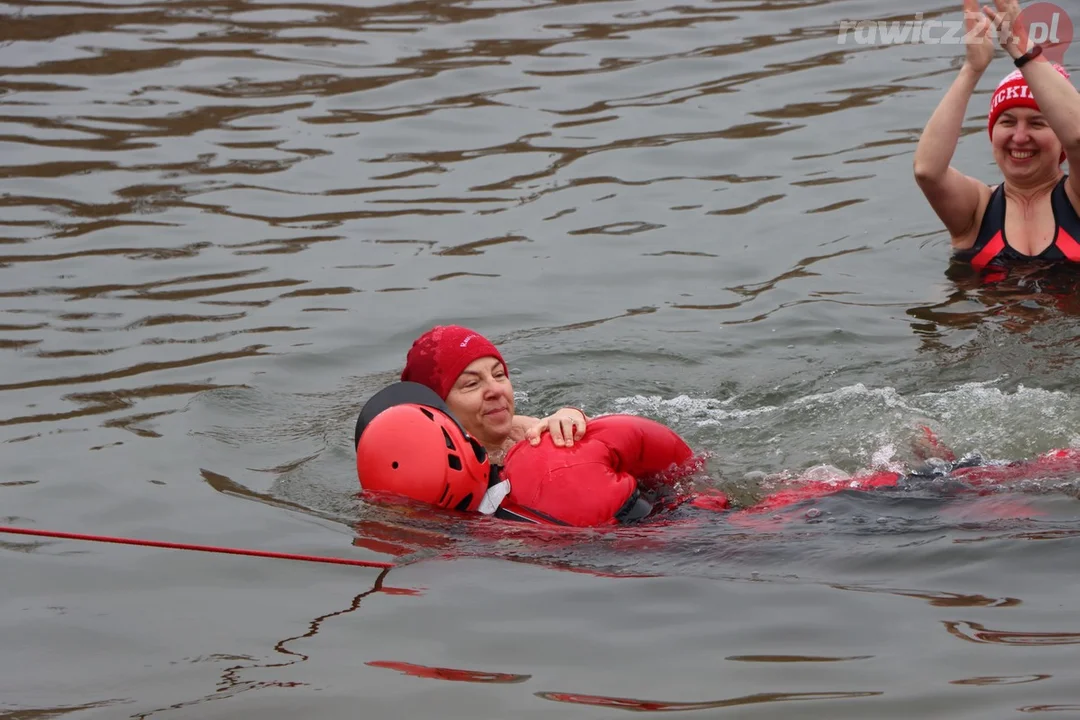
(594, 482)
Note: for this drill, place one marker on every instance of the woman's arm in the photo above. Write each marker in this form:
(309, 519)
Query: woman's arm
(954, 197)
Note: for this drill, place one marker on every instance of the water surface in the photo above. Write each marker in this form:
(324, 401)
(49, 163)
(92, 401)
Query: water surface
(222, 224)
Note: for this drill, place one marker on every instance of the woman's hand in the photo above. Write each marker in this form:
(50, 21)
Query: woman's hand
(1010, 31)
(565, 425)
(977, 43)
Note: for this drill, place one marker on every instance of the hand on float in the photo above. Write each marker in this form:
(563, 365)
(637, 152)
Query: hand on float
(565, 425)
(1006, 23)
(978, 46)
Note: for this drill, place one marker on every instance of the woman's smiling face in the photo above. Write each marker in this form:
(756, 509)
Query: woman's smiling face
(1024, 144)
(482, 400)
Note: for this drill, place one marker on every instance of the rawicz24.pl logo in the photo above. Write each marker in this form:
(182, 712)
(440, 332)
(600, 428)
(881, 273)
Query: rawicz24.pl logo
(1046, 24)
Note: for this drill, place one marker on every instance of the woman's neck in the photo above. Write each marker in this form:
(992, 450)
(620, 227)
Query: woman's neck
(1032, 189)
(1028, 196)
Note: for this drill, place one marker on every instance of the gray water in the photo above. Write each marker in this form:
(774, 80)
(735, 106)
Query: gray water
(223, 223)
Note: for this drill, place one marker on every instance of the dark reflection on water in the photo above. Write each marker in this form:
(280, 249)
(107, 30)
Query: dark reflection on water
(1026, 298)
(995, 681)
(621, 703)
(940, 598)
(1056, 534)
(55, 712)
(794, 658)
(977, 633)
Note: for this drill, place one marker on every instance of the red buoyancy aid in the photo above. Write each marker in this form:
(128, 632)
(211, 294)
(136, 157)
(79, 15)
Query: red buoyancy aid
(590, 483)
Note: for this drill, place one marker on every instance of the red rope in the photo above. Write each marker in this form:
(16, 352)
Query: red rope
(189, 546)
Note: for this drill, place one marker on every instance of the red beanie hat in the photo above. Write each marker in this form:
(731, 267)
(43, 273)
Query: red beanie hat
(437, 358)
(1013, 91)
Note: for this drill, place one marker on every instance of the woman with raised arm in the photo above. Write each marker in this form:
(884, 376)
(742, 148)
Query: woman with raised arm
(1032, 215)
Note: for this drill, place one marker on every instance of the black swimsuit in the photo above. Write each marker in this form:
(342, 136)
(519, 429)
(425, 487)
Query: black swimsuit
(992, 251)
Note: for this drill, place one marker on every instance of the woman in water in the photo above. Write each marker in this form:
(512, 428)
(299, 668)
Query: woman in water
(1032, 214)
(468, 372)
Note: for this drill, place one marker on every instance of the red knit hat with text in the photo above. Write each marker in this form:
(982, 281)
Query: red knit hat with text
(437, 358)
(1012, 92)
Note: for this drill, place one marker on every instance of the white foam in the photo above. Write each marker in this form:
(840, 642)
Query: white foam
(875, 424)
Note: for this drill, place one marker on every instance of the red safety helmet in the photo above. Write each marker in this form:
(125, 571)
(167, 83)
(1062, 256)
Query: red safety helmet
(422, 453)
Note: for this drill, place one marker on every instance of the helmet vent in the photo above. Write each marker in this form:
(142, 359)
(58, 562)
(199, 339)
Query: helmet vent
(454, 460)
(464, 504)
(449, 442)
(478, 450)
(394, 465)
(427, 412)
